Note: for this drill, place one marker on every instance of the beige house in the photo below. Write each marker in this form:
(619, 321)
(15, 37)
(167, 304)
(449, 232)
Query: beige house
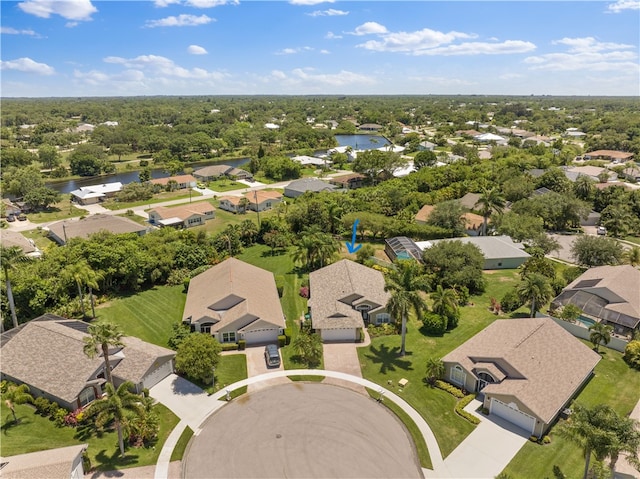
(607, 294)
(181, 181)
(528, 370)
(234, 204)
(47, 355)
(257, 200)
(210, 173)
(60, 463)
(473, 222)
(349, 182)
(63, 231)
(234, 300)
(88, 195)
(183, 216)
(10, 239)
(345, 297)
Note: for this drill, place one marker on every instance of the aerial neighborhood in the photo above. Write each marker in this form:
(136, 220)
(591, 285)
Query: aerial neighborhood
(468, 266)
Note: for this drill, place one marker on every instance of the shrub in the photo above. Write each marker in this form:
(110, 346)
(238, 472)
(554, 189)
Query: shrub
(511, 301)
(546, 440)
(434, 324)
(304, 292)
(280, 285)
(282, 340)
(450, 388)
(59, 417)
(52, 410)
(533, 438)
(459, 408)
(42, 406)
(229, 346)
(72, 419)
(632, 354)
(384, 329)
(145, 392)
(242, 344)
(287, 334)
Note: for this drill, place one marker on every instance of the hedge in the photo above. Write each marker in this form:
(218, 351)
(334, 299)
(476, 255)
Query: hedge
(450, 388)
(460, 405)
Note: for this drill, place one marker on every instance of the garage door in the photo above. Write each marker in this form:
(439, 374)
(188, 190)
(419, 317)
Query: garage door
(511, 413)
(262, 336)
(339, 334)
(158, 374)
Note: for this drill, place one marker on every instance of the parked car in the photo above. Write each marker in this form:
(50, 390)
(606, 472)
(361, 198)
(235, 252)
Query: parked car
(602, 230)
(11, 218)
(22, 217)
(272, 356)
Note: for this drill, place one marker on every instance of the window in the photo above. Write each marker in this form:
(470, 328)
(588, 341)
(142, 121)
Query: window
(458, 375)
(383, 318)
(206, 328)
(364, 309)
(268, 205)
(86, 396)
(229, 337)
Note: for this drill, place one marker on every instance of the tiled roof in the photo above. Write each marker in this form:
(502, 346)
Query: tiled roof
(544, 364)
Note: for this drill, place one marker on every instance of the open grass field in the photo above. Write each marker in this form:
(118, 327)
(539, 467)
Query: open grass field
(36, 433)
(62, 210)
(148, 315)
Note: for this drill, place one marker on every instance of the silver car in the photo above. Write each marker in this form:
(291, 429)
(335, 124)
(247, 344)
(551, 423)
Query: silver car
(272, 356)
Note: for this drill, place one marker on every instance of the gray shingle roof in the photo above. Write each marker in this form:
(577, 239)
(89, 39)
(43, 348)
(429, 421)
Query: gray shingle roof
(93, 224)
(492, 247)
(50, 464)
(544, 364)
(309, 184)
(337, 288)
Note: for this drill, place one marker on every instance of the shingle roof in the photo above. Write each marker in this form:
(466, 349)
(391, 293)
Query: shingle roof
(13, 238)
(492, 247)
(49, 464)
(178, 179)
(263, 195)
(469, 200)
(334, 288)
(233, 292)
(184, 211)
(85, 227)
(309, 184)
(545, 364)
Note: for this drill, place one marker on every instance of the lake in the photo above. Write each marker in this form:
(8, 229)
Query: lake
(362, 142)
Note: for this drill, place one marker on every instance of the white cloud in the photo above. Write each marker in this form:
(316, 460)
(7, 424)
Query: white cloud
(587, 54)
(180, 21)
(309, 2)
(165, 3)
(412, 42)
(69, 9)
(13, 31)
(331, 79)
(71, 24)
(278, 74)
(210, 3)
(196, 50)
(510, 76)
(162, 66)
(621, 5)
(291, 51)
(332, 36)
(481, 48)
(369, 28)
(27, 65)
(332, 12)
(325, 52)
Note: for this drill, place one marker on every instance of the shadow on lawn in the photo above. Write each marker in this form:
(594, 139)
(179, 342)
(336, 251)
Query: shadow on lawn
(108, 464)
(9, 423)
(389, 359)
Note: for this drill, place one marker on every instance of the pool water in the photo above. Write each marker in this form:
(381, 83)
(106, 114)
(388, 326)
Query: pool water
(588, 322)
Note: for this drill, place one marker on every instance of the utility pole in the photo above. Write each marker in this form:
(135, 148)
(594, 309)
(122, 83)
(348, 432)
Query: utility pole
(255, 197)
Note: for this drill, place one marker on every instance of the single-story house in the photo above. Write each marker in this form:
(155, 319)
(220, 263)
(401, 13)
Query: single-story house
(500, 252)
(528, 370)
(299, 187)
(63, 231)
(47, 355)
(426, 146)
(631, 173)
(610, 155)
(10, 208)
(490, 137)
(181, 181)
(234, 301)
(469, 200)
(469, 133)
(349, 182)
(256, 200)
(344, 297)
(473, 222)
(231, 203)
(183, 216)
(312, 160)
(88, 195)
(10, 239)
(60, 463)
(370, 127)
(607, 294)
(210, 173)
(592, 172)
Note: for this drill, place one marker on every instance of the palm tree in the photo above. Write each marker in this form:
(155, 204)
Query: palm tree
(243, 204)
(9, 258)
(115, 406)
(600, 334)
(13, 394)
(584, 187)
(632, 256)
(445, 302)
(82, 274)
(536, 289)
(327, 247)
(405, 284)
(435, 369)
(102, 336)
(490, 201)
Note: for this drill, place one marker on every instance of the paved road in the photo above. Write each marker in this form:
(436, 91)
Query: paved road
(302, 430)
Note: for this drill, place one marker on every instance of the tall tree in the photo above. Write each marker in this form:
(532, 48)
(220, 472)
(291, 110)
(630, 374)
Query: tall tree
(490, 201)
(83, 275)
(113, 408)
(600, 334)
(197, 355)
(435, 369)
(9, 259)
(596, 251)
(13, 394)
(535, 289)
(406, 283)
(103, 335)
(445, 304)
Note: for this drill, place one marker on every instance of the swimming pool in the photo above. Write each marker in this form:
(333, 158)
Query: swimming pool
(587, 322)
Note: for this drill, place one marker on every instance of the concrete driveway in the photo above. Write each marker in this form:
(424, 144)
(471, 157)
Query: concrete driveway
(256, 365)
(342, 357)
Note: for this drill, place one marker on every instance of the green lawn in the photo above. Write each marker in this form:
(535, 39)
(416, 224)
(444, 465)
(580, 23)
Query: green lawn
(231, 369)
(615, 384)
(148, 315)
(224, 218)
(380, 362)
(40, 238)
(35, 433)
(225, 185)
(157, 198)
(62, 210)
(181, 446)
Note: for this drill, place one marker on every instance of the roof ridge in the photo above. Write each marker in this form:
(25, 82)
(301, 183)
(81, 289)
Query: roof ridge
(535, 330)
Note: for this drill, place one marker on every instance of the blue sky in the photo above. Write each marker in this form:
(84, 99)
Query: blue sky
(217, 47)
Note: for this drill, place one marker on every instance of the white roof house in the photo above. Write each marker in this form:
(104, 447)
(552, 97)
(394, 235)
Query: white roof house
(311, 160)
(489, 137)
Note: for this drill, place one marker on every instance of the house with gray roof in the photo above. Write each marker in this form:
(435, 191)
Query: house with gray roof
(88, 195)
(527, 370)
(344, 298)
(213, 172)
(10, 239)
(606, 294)
(61, 372)
(234, 300)
(60, 463)
(500, 252)
(182, 216)
(299, 187)
(63, 231)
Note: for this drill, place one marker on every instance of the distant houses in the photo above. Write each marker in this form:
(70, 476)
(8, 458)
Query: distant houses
(299, 187)
(183, 216)
(215, 172)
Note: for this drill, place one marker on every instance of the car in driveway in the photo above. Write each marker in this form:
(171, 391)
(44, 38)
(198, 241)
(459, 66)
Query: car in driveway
(602, 231)
(11, 218)
(272, 356)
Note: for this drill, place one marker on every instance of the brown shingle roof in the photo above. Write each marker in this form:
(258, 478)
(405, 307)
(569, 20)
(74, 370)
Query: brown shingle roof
(544, 364)
(85, 227)
(184, 211)
(49, 464)
(178, 179)
(263, 195)
(233, 293)
(13, 238)
(336, 287)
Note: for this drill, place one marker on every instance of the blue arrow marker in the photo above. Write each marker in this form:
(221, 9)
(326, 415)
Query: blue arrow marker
(352, 247)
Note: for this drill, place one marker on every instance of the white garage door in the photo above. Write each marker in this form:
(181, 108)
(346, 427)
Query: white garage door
(157, 375)
(262, 336)
(511, 413)
(339, 334)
